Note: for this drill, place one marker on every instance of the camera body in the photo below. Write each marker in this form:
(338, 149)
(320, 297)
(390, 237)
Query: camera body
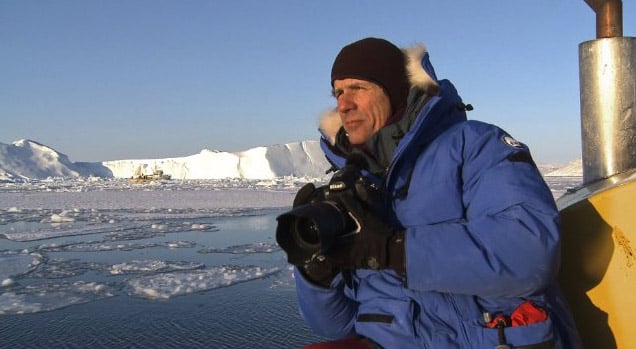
(324, 221)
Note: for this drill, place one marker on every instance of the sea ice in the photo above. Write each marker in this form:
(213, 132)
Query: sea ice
(167, 285)
(261, 247)
(50, 296)
(152, 266)
(61, 218)
(17, 264)
(111, 246)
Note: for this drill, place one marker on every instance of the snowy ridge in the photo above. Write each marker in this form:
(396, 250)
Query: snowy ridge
(29, 159)
(572, 169)
(25, 159)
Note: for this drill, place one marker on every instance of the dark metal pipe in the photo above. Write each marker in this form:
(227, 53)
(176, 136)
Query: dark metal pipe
(609, 17)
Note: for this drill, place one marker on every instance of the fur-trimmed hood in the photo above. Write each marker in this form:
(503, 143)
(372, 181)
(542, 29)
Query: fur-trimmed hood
(420, 73)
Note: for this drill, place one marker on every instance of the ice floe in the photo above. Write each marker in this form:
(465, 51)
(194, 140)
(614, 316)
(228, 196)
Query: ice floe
(167, 285)
(152, 266)
(14, 263)
(50, 296)
(261, 247)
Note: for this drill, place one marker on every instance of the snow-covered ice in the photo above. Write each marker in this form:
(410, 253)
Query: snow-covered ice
(245, 248)
(50, 296)
(152, 266)
(166, 285)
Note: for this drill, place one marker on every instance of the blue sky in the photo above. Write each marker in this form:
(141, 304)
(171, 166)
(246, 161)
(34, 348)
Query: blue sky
(124, 79)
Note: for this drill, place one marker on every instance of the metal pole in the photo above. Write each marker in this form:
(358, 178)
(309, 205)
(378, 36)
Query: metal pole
(608, 95)
(609, 17)
(608, 103)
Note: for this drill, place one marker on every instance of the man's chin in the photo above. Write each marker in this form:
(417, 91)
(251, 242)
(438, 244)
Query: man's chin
(357, 135)
(356, 140)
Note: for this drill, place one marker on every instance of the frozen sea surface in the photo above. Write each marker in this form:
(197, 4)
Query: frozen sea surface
(177, 264)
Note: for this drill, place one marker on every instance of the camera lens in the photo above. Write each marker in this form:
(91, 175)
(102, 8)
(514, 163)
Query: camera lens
(306, 233)
(311, 228)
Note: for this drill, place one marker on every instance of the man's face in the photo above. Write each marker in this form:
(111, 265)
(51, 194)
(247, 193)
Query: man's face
(363, 107)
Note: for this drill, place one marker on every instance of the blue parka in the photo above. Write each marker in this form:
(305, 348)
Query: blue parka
(481, 237)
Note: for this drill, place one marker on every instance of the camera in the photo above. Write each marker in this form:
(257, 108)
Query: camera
(324, 221)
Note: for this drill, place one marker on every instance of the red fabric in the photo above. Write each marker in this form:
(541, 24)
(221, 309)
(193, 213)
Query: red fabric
(528, 314)
(499, 320)
(349, 343)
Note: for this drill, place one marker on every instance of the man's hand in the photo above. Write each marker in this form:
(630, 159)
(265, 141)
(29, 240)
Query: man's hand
(304, 195)
(374, 246)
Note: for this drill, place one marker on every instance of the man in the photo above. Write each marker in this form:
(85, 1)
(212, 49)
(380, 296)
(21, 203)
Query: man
(465, 252)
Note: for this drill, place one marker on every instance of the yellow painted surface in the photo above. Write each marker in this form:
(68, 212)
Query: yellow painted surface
(598, 272)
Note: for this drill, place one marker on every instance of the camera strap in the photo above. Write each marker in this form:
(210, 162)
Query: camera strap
(347, 276)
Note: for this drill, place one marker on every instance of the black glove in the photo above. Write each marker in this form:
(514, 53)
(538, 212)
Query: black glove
(375, 246)
(304, 195)
(319, 269)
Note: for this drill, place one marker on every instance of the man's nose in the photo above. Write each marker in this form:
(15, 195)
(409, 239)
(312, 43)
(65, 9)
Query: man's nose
(345, 103)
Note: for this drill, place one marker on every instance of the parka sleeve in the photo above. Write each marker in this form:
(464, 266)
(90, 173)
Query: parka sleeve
(326, 310)
(507, 243)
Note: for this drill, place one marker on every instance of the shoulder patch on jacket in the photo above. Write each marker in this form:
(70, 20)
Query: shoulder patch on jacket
(511, 142)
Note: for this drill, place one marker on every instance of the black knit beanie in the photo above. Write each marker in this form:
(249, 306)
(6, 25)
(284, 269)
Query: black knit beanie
(378, 61)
